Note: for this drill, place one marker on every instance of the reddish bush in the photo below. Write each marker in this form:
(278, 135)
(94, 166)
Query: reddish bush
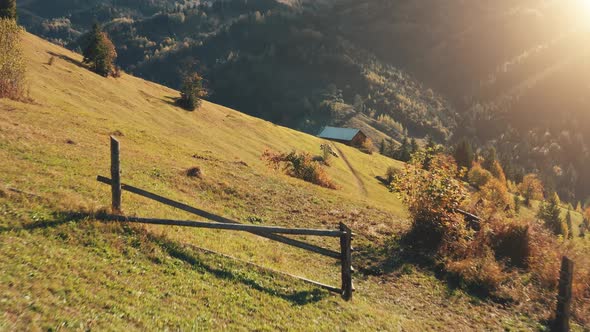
(510, 242)
(299, 165)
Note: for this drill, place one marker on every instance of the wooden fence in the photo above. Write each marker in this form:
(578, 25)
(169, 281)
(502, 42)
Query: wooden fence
(270, 232)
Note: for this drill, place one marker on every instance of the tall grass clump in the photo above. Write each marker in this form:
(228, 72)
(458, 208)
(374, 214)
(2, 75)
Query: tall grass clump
(12, 63)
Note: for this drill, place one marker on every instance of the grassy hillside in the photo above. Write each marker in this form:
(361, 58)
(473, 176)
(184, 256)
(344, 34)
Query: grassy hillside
(61, 270)
(391, 67)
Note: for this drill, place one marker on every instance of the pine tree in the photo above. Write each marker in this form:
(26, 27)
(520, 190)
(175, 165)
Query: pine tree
(382, 147)
(414, 147)
(570, 227)
(463, 154)
(8, 9)
(191, 92)
(403, 152)
(430, 144)
(490, 158)
(431, 150)
(100, 53)
(549, 213)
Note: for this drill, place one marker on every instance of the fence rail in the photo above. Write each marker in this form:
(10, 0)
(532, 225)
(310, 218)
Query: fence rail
(270, 232)
(220, 219)
(233, 227)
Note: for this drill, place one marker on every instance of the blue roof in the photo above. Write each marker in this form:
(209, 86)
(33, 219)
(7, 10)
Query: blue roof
(344, 134)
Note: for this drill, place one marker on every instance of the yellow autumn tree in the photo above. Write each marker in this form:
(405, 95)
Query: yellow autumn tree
(531, 188)
(12, 63)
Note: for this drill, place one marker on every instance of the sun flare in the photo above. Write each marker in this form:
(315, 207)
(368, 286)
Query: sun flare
(585, 7)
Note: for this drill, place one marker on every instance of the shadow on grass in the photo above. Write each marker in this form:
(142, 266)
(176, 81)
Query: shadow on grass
(398, 256)
(68, 59)
(177, 102)
(171, 100)
(180, 252)
(57, 219)
(185, 255)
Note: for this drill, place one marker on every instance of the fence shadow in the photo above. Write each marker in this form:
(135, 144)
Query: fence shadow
(189, 257)
(67, 59)
(178, 251)
(57, 219)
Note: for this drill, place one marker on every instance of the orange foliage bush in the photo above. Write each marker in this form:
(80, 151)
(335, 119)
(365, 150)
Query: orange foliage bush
(367, 146)
(478, 176)
(511, 242)
(299, 165)
(495, 197)
(531, 188)
(432, 196)
(482, 274)
(498, 172)
(506, 257)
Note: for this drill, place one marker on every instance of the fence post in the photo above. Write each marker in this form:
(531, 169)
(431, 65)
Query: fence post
(564, 298)
(346, 260)
(115, 176)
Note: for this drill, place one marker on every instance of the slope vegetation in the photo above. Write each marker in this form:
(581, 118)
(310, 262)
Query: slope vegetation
(62, 270)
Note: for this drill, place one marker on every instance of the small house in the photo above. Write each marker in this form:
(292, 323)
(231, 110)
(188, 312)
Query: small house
(348, 136)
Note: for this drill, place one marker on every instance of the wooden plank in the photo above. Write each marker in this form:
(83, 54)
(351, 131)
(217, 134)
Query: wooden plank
(346, 262)
(564, 298)
(468, 215)
(205, 214)
(233, 227)
(116, 176)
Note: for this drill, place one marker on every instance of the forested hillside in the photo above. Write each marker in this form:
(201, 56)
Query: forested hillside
(517, 71)
(508, 74)
(268, 59)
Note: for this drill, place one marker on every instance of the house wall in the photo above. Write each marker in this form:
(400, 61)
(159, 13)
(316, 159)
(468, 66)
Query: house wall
(358, 139)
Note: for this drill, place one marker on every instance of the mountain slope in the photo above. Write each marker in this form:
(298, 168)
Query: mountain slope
(62, 270)
(270, 60)
(516, 71)
(508, 74)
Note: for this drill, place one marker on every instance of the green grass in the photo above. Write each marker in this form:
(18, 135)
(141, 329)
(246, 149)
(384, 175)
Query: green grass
(61, 270)
(577, 219)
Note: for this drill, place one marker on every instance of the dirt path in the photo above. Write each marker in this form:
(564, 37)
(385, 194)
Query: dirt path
(359, 181)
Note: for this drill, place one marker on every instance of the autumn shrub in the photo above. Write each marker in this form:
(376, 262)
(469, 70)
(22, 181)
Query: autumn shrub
(478, 176)
(327, 153)
(432, 196)
(511, 243)
(482, 275)
(367, 146)
(513, 259)
(12, 63)
(299, 165)
(498, 172)
(495, 196)
(531, 188)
